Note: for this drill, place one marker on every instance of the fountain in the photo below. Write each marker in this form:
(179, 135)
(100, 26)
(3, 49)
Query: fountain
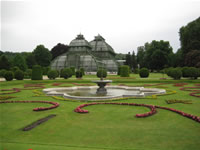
(92, 93)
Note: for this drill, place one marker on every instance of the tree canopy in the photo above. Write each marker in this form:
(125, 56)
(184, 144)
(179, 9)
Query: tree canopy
(58, 50)
(190, 36)
(20, 62)
(42, 56)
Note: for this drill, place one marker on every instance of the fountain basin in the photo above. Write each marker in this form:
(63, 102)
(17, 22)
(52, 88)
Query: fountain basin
(88, 93)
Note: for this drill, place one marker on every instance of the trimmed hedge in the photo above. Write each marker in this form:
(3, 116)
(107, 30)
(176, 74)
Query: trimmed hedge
(9, 75)
(36, 73)
(19, 75)
(144, 73)
(124, 71)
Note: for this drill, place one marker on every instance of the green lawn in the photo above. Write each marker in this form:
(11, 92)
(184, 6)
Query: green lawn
(113, 127)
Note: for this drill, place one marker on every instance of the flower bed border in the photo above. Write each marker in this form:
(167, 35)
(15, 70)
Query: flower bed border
(152, 108)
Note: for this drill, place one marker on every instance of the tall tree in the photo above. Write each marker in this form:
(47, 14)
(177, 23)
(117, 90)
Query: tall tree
(4, 63)
(192, 58)
(141, 56)
(128, 60)
(58, 50)
(157, 54)
(190, 36)
(133, 61)
(42, 56)
(20, 62)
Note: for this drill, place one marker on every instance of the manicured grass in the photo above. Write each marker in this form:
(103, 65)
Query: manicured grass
(105, 126)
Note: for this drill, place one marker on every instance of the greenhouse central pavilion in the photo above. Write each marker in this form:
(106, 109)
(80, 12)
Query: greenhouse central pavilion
(88, 55)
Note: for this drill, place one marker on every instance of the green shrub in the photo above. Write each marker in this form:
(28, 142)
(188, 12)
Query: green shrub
(19, 75)
(79, 74)
(52, 74)
(176, 73)
(2, 72)
(144, 73)
(193, 72)
(36, 73)
(101, 73)
(66, 73)
(185, 72)
(9, 75)
(82, 71)
(124, 71)
(28, 74)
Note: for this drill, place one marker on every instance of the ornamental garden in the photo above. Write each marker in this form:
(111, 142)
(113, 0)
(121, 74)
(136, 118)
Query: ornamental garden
(32, 120)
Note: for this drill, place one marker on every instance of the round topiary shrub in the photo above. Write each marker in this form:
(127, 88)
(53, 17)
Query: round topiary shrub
(9, 75)
(144, 73)
(102, 73)
(79, 74)
(124, 71)
(36, 73)
(52, 74)
(19, 75)
(176, 73)
(66, 73)
(2, 73)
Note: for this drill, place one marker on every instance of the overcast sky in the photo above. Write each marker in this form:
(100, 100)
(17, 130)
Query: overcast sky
(125, 24)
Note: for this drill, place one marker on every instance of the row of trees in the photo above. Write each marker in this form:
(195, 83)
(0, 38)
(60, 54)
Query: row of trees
(158, 55)
(26, 60)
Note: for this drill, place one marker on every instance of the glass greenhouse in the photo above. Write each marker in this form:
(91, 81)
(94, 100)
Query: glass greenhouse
(88, 55)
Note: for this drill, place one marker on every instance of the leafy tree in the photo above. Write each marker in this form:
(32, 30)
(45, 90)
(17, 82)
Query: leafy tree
(192, 58)
(30, 61)
(133, 61)
(190, 36)
(58, 50)
(4, 63)
(42, 56)
(157, 54)
(20, 62)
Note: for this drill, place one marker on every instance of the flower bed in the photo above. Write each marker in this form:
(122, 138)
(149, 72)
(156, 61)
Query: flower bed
(35, 109)
(151, 107)
(196, 90)
(180, 84)
(14, 90)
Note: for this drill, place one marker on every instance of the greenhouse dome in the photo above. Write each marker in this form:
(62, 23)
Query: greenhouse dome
(90, 56)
